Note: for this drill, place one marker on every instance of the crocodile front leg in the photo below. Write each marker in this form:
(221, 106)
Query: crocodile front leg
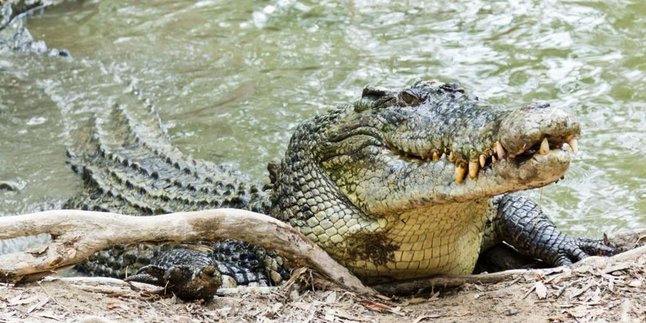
(521, 223)
(186, 273)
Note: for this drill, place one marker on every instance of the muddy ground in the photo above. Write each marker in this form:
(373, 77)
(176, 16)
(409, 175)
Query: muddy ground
(598, 290)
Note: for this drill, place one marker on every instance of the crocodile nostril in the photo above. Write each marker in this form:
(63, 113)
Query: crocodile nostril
(526, 127)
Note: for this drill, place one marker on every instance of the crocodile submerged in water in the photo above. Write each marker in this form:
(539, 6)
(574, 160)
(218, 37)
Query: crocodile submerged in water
(401, 184)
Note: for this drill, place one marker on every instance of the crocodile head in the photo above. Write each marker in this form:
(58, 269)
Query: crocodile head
(432, 144)
(388, 183)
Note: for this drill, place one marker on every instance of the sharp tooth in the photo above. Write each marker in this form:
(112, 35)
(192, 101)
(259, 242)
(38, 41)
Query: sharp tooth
(545, 147)
(451, 156)
(500, 151)
(483, 160)
(493, 159)
(574, 145)
(474, 168)
(459, 173)
(436, 156)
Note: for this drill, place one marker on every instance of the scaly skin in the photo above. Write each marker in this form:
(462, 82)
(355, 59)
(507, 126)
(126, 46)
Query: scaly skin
(129, 167)
(399, 185)
(381, 185)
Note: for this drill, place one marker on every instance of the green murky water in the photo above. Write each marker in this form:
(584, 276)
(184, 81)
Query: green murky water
(231, 79)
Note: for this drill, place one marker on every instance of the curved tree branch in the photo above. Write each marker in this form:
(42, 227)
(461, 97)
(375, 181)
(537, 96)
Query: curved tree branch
(78, 234)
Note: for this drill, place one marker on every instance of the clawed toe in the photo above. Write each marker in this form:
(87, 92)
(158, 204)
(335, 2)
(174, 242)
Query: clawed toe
(594, 247)
(150, 274)
(579, 248)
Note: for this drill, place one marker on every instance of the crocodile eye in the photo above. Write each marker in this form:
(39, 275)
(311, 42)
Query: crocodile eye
(408, 98)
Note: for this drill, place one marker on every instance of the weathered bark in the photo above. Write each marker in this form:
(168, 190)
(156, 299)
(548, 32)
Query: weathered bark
(78, 234)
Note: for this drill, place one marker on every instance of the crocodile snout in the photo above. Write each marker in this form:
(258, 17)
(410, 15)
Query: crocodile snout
(527, 128)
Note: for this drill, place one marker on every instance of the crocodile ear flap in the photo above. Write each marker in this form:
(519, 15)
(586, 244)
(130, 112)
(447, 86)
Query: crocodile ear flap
(408, 97)
(372, 97)
(373, 93)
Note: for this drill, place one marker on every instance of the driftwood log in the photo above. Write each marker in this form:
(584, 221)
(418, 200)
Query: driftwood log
(78, 234)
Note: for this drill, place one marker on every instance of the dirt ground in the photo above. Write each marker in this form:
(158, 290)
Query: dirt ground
(597, 290)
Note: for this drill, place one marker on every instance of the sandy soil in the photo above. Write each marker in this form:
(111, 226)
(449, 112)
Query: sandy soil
(600, 290)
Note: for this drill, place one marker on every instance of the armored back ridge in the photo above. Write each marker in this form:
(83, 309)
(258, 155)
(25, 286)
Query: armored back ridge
(401, 184)
(130, 167)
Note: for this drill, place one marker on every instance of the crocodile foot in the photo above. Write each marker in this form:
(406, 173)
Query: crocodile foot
(186, 282)
(198, 280)
(571, 250)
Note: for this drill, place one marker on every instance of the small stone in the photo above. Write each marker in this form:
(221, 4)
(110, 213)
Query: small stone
(541, 290)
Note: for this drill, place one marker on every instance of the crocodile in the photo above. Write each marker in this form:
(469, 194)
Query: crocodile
(401, 184)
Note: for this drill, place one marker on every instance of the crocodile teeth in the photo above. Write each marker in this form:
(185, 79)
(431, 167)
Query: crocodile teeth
(545, 147)
(500, 151)
(574, 145)
(483, 160)
(474, 168)
(436, 156)
(459, 173)
(451, 156)
(493, 159)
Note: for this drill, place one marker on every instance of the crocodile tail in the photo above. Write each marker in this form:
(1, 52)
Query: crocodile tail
(129, 166)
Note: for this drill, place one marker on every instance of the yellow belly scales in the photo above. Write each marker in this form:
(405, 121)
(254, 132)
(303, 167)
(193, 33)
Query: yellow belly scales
(442, 239)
